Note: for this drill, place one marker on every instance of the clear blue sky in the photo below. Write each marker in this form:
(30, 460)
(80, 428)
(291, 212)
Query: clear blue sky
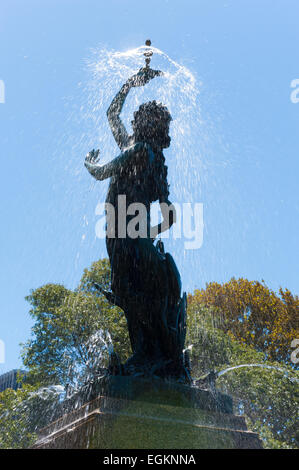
(245, 52)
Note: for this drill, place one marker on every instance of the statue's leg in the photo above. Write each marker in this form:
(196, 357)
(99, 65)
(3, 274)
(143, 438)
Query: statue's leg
(148, 285)
(130, 283)
(167, 307)
(158, 293)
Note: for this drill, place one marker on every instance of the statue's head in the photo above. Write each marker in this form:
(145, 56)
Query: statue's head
(151, 124)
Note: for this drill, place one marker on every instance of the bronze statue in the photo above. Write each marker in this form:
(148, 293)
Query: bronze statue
(145, 281)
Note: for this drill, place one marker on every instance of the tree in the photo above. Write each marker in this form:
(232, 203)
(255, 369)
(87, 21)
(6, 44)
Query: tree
(15, 432)
(236, 323)
(23, 412)
(254, 315)
(73, 331)
(268, 396)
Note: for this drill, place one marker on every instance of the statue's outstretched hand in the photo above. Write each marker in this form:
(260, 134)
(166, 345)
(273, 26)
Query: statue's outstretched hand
(142, 77)
(92, 157)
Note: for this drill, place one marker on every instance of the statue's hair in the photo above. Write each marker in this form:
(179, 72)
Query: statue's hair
(146, 119)
(146, 129)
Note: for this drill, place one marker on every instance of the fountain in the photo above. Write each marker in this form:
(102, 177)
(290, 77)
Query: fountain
(150, 401)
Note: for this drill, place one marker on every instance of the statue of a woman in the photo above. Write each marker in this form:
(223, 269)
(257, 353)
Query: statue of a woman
(145, 282)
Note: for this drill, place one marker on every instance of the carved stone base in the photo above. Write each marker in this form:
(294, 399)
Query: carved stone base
(132, 413)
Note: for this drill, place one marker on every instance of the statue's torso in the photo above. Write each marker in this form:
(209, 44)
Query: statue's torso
(141, 183)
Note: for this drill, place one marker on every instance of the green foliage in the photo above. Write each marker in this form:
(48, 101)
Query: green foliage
(73, 330)
(268, 398)
(15, 432)
(23, 412)
(210, 348)
(228, 325)
(255, 315)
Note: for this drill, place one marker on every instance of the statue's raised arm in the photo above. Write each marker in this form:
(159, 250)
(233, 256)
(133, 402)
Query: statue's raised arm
(118, 129)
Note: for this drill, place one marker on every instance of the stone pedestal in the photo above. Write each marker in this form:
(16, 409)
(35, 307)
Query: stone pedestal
(129, 413)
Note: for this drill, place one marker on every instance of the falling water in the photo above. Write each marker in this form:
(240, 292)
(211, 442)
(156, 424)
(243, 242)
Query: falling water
(264, 366)
(45, 393)
(96, 350)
